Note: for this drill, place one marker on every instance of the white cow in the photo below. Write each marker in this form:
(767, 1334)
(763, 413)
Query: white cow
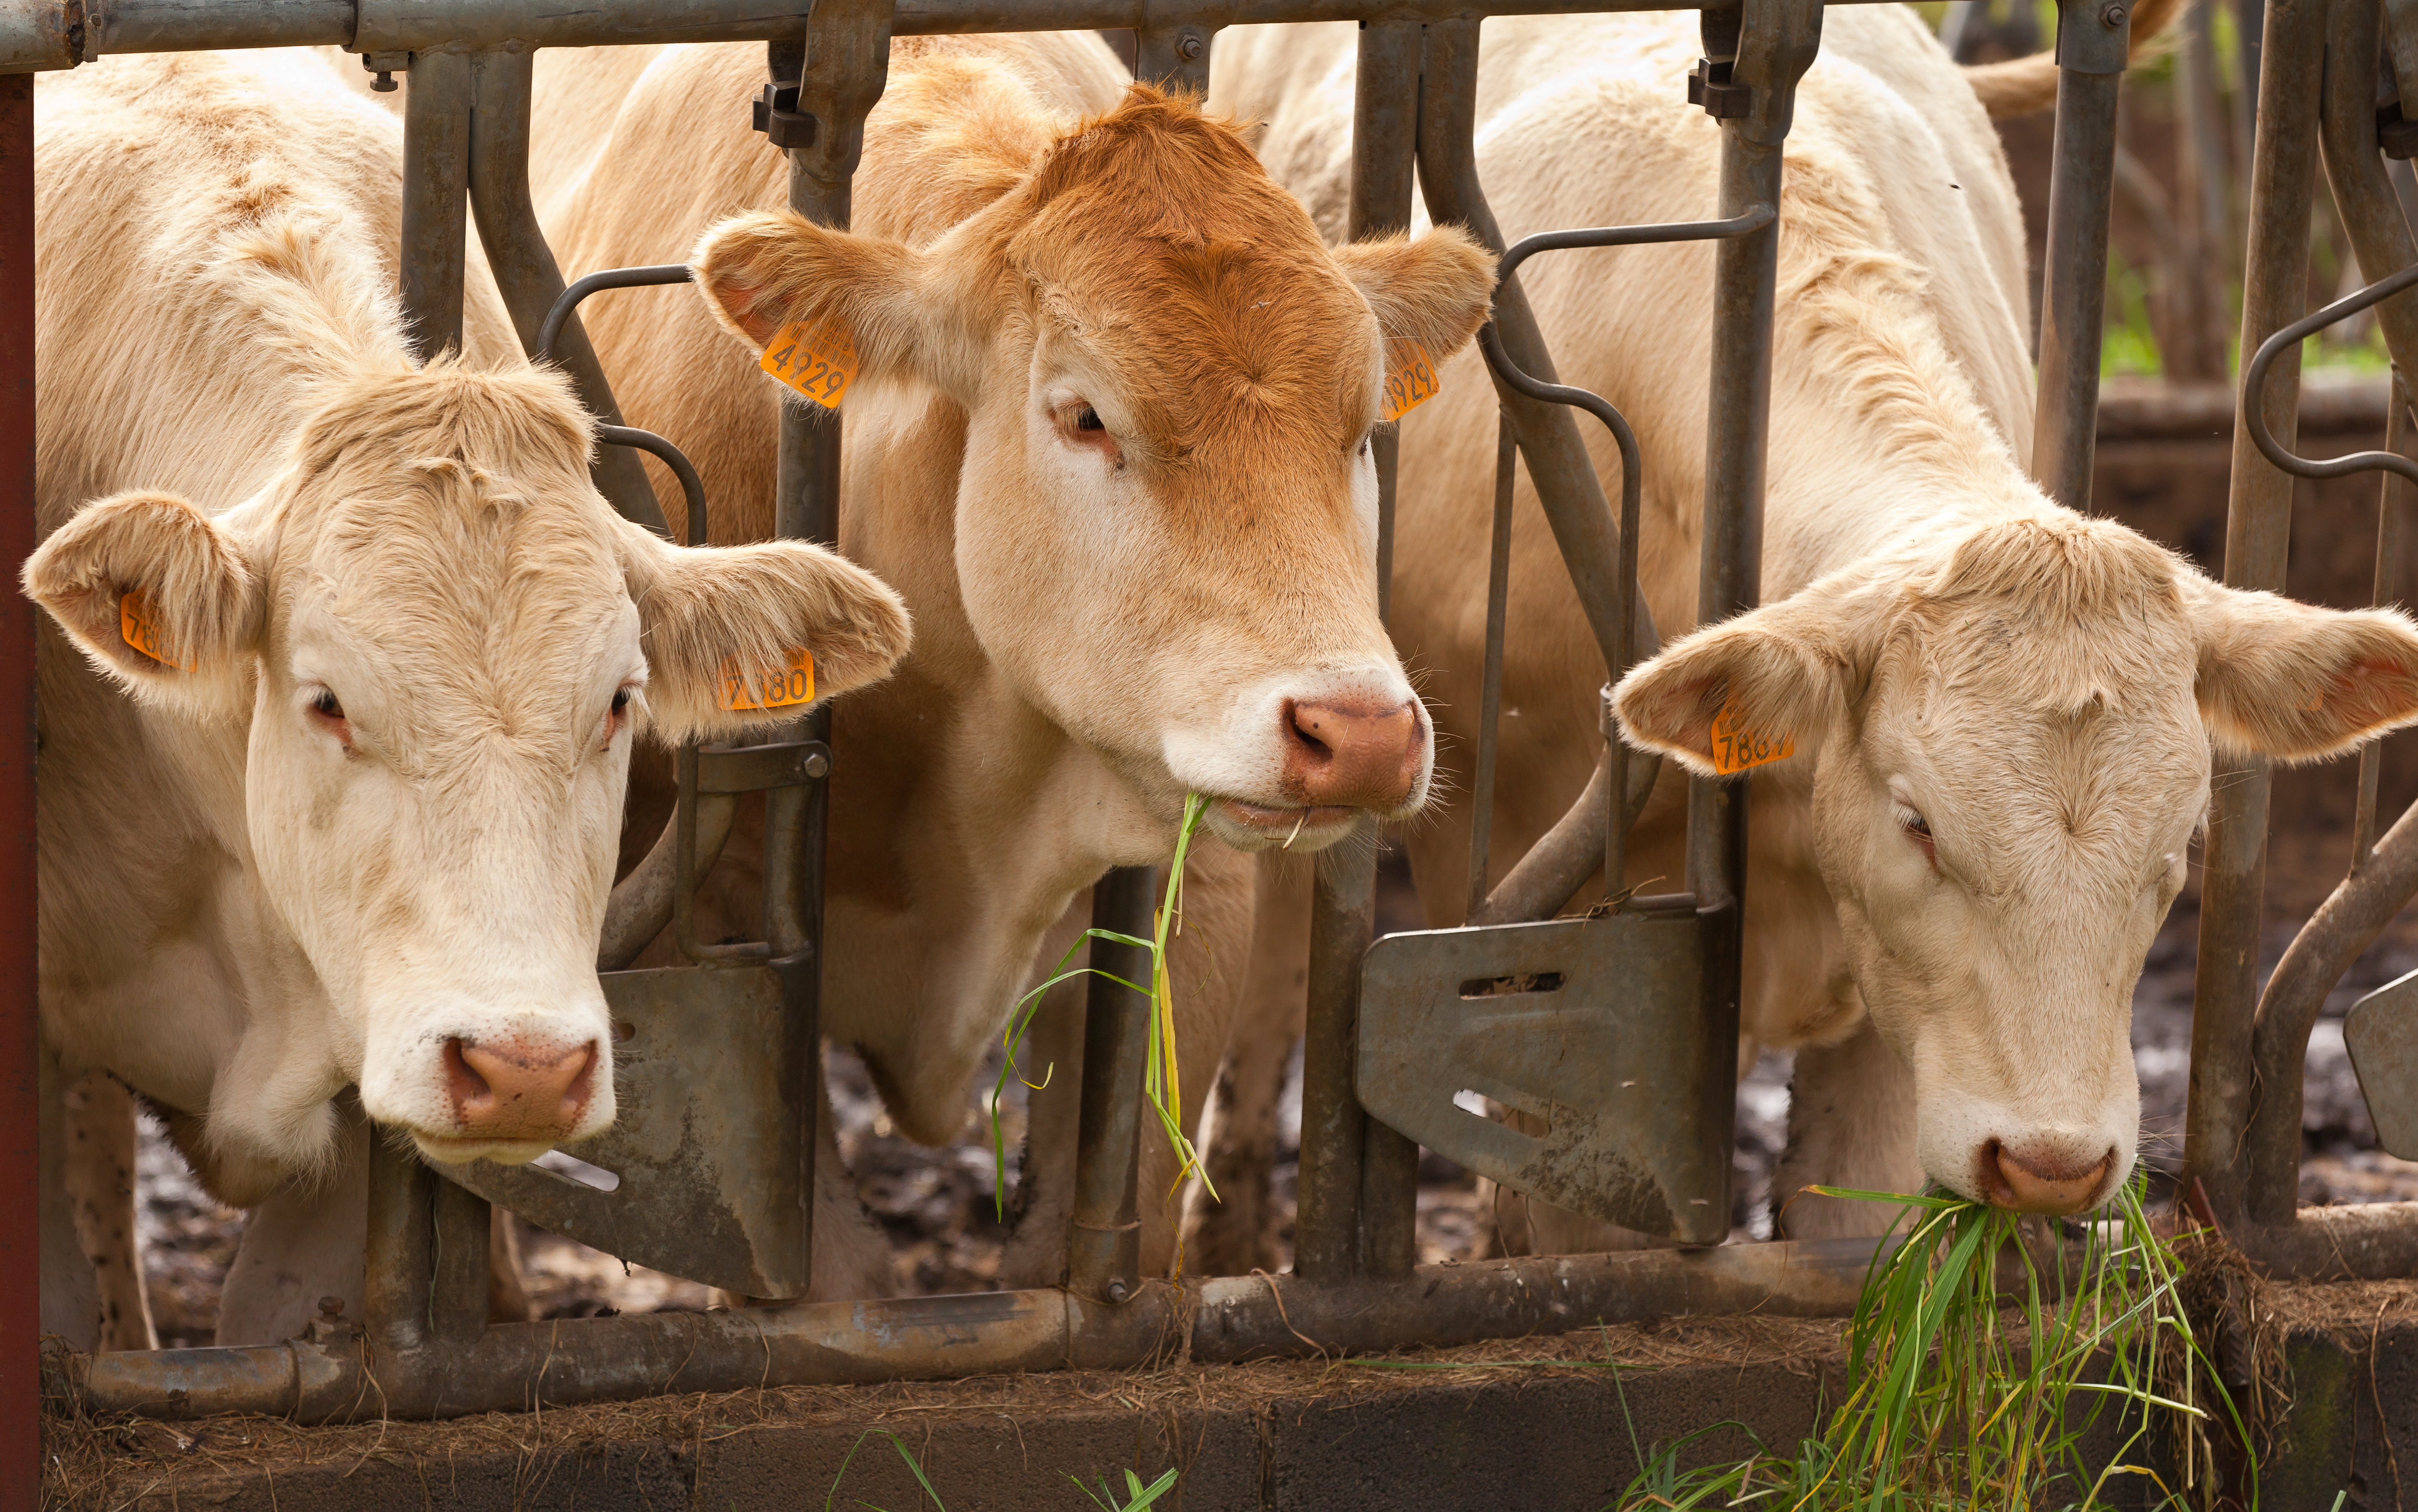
(340, 677)
(1108, 440)
(2002, 712)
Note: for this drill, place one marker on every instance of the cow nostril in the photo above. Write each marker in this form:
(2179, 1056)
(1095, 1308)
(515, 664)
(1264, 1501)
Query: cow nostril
(1302, 723)
(467, 1089)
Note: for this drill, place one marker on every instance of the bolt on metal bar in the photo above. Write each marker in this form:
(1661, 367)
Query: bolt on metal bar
(21, 1049)
(2092, 36)
(1104, 1238)
(1174, 56)
(2258, 528)
(529, 280)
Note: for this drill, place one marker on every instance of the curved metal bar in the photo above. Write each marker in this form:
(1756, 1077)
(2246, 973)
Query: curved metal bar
(611, 278)
(2254, 384)
(1754, 220)
(692, 486)
(641, 903)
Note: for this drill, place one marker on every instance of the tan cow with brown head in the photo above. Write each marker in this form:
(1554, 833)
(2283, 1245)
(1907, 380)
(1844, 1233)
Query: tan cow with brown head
(340, 679)
(2004, 713)
(1108, 438)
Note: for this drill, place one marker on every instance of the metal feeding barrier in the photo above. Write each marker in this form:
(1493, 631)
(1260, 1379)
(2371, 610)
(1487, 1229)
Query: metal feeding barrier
(709, 1171)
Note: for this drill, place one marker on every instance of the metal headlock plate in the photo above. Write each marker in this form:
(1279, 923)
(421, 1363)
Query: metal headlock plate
(711, 1155)
(1593, 1029)
(2381, 1034)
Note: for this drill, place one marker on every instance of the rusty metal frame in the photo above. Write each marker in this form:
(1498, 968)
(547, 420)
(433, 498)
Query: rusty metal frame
(424, 1349)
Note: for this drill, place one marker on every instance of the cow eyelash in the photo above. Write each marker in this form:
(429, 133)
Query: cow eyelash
(621, 700)
(324, 704)
(1088, 419)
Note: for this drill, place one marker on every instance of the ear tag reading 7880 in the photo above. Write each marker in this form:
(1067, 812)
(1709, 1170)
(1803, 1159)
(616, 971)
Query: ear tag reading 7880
(769, 687)
(1410, 378)
(819, 359)
(1735, 747)
(140, 631)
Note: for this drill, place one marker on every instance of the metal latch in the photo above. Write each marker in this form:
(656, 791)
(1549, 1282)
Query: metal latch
(778, 119)
(1710, 86)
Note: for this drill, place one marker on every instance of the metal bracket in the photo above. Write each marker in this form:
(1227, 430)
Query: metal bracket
(386, 65)
(1588, 1027)
(2381, 1034)
(777, 118)
(1710, 86)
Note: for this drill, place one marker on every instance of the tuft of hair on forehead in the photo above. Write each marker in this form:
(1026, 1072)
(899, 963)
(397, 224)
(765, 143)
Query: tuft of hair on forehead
(2064, 569)
(1153, 235)
(525, 422)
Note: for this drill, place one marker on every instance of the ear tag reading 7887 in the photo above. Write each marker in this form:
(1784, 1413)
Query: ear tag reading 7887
(140, 631)
(780, 687)
(1410, 378)
(819, 359)
(1735, 747)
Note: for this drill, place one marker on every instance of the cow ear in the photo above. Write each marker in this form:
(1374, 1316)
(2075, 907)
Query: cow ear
(740, 636)
(1759, 688)
(867, 303)
(2295, 682)
(1435, 291)
(159, 595)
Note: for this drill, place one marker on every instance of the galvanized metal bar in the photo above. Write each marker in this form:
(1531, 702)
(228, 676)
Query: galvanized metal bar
(2364, 201)
(2091, 39)
(2225, 990)
(1385, 149)
(55, 34)
(1104, 1238)
(21, 1310)
(1775, 43)
(2396, 500)
(435, 178)
(1490, 686)
(528, 276)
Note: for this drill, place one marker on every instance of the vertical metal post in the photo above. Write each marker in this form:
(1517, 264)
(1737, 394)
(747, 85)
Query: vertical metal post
(526, 272)
(435, 177)
(21, 1310)
(1104, 1241)
(2393, 509)
(2091, 38)
(1489, 694)
(1385, 147)
(1775, 43)
(2258, 528)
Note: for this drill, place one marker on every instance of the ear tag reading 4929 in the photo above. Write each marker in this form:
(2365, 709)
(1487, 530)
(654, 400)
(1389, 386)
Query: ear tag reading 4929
(818, 361)
(769, 687)
(136, 624)
(1410, 378)
(1735, 747)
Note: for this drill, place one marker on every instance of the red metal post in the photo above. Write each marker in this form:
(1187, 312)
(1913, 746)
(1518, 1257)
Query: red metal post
(21, 1246)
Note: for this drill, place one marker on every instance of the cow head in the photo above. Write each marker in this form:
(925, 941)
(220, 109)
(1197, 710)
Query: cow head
(437, 641)
(2011, 731)
(1166, 522)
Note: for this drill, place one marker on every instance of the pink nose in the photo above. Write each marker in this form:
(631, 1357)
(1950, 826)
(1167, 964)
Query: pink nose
(1350, 755)
(2034, 1181)
(516, 1090)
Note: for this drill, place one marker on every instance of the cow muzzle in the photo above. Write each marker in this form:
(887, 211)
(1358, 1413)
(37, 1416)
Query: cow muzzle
(1346, 754)
(518, 1091)
(2038, 1178)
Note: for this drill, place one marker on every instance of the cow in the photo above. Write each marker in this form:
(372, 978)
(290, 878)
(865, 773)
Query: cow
(1110, 438)
(340, 666)
(2002, 712)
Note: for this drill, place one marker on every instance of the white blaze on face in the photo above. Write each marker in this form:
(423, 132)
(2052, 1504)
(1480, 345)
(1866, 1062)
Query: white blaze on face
(1166, 526)
(441, 649)
(2012, 729)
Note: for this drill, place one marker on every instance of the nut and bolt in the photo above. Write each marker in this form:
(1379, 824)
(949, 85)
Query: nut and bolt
(2112, 17)
(1188, 48)
(1117, 1291)
(818, 765)
(331, 1308)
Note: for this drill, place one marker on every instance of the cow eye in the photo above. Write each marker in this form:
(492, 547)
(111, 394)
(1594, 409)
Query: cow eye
(1088, 419)
(326, 705)
(1915, 824)
(621, 699)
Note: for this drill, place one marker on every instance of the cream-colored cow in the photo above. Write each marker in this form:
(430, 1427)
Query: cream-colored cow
(2004, 713)
(340, 679)
(1110, 440)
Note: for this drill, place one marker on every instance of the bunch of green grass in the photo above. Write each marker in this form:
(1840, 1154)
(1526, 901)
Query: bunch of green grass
(1137, 1497)
(1955, 1405)
(1162, 1083)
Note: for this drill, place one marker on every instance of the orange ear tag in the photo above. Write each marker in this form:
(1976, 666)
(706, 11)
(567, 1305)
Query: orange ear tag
(818, 361)
(1735, 747)
(140, 631)
(769, 687)
(1410, 378)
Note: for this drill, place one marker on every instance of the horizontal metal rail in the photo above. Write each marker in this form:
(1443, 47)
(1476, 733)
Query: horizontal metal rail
(59, 34)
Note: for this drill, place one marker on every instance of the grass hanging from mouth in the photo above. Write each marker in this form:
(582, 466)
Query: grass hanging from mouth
(1162, 1083)
(1952, 1407)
